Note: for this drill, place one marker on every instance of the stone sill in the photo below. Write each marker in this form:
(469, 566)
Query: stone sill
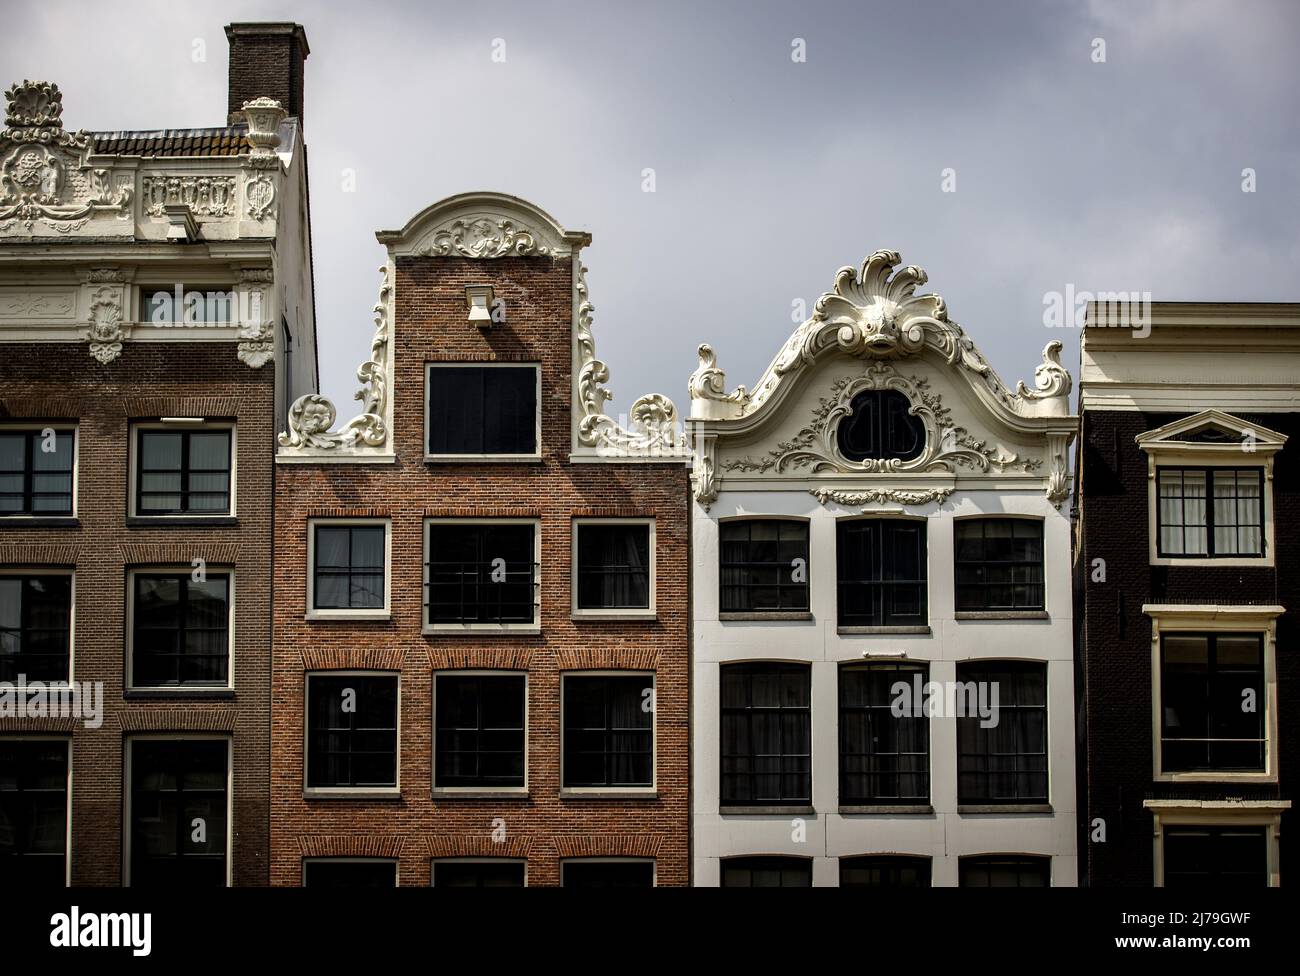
(1003, 809)
(632, 794)
(726, 616)
(854, 631)
(768, 811)
(894, 810)
(181, 521)
(1001, 615)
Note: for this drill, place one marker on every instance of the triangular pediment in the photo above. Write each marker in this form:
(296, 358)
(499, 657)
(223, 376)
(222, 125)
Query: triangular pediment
(1210, 429)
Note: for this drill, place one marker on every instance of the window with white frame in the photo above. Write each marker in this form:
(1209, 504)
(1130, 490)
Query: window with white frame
(349, 568)
(351, 734)
(608, 731)
(183, 467)
(480, 730)
(35, 625)
(613, 566)
(482, 574)
(38, 471)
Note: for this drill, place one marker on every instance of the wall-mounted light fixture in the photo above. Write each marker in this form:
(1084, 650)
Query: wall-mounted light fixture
(478, 299)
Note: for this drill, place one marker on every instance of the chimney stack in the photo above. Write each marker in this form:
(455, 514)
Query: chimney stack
(266, 61)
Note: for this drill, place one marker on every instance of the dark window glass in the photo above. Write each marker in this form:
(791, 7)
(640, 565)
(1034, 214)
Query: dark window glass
(482, 410)
(33, 813)
(766, 872)
(1215, 857)
(880, 426)
(1230, 522)
(349, 567)
(884, 872)
(884, 758)
(613, 566)
(1203, 680)
(183, 472)
(764, 565)
(1002, 750)
(766, 734)
(478, 874)
(881, 572)
(481, 573)
(1005, 871)
(36, 471)
(35, 624)
(180, 631)
(480, 730)
(178, 812)
(999, 564)
(361, 873)
(172, 304)
(351, 731)
(608, 730)
(609, 874)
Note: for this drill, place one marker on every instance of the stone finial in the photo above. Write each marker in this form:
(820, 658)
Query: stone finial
(34, 105)
(264, 116)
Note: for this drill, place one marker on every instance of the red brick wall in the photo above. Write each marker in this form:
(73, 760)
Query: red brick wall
(53, 382)
(430, 324)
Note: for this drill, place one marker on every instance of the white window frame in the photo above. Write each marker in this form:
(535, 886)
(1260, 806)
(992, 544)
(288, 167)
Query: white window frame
(67, 740)
(616, 613)
(395, 862)
(180, 424)
(535, 627)
(507, 458)
(142, 291)
(1169, 619)
(128, 749)
(57, 426)
(654, 862)
(349, 792)
(630, 791)
(129, 635)
(25, 571)
(348, 613)
(435, 861)
(1218, 813)
(469, 792)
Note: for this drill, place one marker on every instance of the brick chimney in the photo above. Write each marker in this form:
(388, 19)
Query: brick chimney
(266, 60)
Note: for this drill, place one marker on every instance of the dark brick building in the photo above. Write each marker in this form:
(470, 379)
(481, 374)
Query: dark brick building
(1188, 507)
(482, 622)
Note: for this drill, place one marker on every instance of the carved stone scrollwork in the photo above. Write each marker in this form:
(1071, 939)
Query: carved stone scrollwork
(709, 382)
(483, 238)
(869, 496)
(1051, 379)
(1058, 482)
(704, 472)
(105, 330)
(206, 196)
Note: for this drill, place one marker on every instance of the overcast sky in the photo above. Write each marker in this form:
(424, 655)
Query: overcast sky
(770, 174)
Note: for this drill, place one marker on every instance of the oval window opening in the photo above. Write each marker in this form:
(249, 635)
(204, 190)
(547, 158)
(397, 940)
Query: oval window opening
(880, 428)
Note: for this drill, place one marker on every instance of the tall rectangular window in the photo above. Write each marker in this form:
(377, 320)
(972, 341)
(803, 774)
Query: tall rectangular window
(349, 565)
(351, 731)
(763, 566)
(608, 731)
(179, 813)
(767, 872)
(1002, 748)
(482, 410)
(183, 472)
(1005, 871)
(1204, 679)
(36, 471)
(766, 734)
(1215, 857)
(884, 758)
(481, 574)
(882, 572)
(612, 570)
(33, 812)
(999, 564)
(180, 629)
(480, 730)
(35, 626)
(1227, 523)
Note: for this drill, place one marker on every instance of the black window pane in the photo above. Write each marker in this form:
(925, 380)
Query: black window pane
(1215, 857)
(766, 746)
(349, 567)
(763, 566)
(179, 816)
(478, 874)
(183, 472)
(999, 564)
(1005, 872)
(880, 426)
(362, 873)
(608, 731)
(884, 758)
(35, 627)
(351, 731)
(767, 872)
(1001, 732)
(613, 566)
(882, 572)
(609, 874)
(480, 731)
(33, 812)
(481, 573)
(180, 632)
(1213, 702)
(36, 471)
(482, 410)
(884, 872)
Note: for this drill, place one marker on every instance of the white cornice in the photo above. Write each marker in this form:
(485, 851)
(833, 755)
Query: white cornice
(482, 225)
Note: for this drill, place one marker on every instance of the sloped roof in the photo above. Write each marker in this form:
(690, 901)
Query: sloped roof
(219, 141)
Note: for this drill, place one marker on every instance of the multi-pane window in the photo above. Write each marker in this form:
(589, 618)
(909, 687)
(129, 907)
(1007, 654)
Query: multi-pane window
(480, 730)
(1005, 871)
(999, 564)
(766, 750)
(35, 626)
(358, 872)
(180, 629)
(33, 812)
(179, 812)
(1206, 683)
(767, 872)
(348, 568)
(608, 731)
(884, 756)
(763, 566)
(183, 472)
(1001, 732)
(170, 304)
(608, 874)
(884, 871)
(351, 731)
(481, 573)
(497, 872)
(881, 565)
(1210, 512)
(477, 410)
(1215, 857)
(36, 471)
(880, 426)
(613, 566)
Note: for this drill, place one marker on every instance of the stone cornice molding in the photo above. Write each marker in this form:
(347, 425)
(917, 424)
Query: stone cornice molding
(481, 226)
